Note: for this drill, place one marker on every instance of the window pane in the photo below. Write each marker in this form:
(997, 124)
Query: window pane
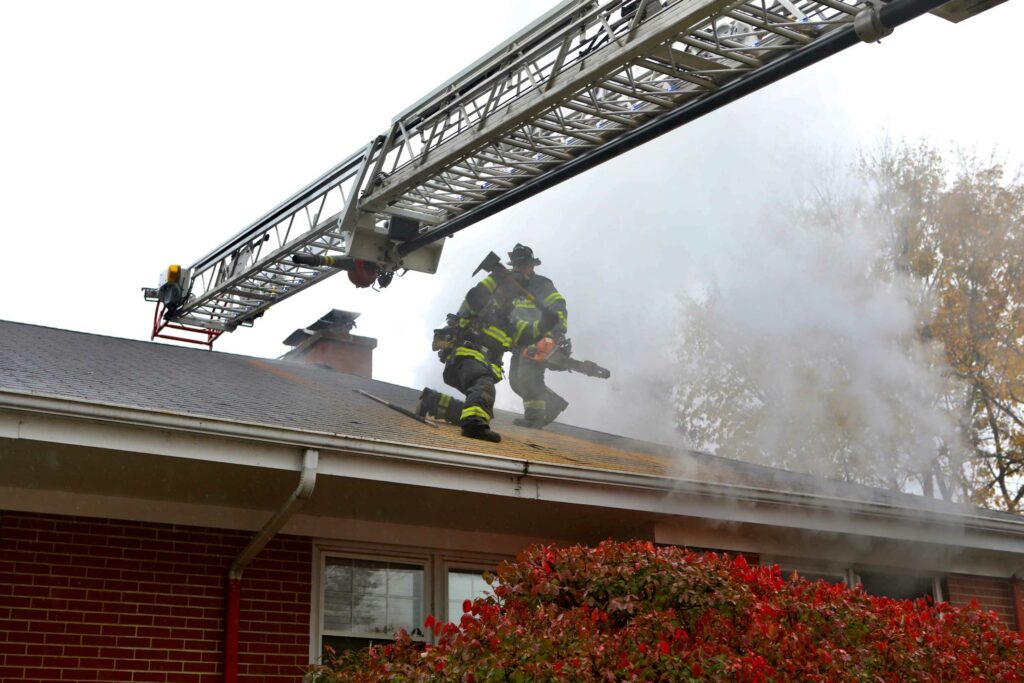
(401, 613)
(368, 596)
(896, 585)
(338, 577)
(370, 614)
(464, 585)
(404, 581)
(337, 611)
(369, 577)
(460, 583)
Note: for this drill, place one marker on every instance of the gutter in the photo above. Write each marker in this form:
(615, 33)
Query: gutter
(494, 464)
(302, 493)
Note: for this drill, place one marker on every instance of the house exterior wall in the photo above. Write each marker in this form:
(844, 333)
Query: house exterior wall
(94, 599)
(109, 600)
(997, 595)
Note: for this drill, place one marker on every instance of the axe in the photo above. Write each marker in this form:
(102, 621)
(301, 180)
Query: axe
(492, 264)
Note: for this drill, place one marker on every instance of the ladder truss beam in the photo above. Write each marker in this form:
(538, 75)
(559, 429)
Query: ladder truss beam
(586, 81)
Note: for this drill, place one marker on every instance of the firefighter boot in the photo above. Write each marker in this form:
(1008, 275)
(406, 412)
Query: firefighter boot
(556, 404)
(426, 406)
(533, 414)
(436, 404)
(478, 429)
(528, 422)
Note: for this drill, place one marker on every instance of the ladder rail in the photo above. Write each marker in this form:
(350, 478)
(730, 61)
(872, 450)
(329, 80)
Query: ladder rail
(589, 79)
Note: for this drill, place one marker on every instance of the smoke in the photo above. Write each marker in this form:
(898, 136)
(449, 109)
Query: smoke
(780, 295)
(825, 346)
(803, 353)
(620, 258)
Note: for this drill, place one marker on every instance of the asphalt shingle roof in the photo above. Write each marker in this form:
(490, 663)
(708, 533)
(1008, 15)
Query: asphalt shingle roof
(294, 395)
(278, 393)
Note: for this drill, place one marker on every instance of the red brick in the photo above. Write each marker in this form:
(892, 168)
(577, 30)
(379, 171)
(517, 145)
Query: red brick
(173, 677)
(24, 636)
(47, 627)
(150, 676)
(80, 674)
(102, 618)
(94, 662)
(201, 667)
(40, 674)
(22, 521)
(168, 643)
(169, 582)
(154, 632)
(70, 593)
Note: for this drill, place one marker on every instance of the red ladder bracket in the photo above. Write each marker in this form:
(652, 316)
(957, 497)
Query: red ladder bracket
(200, 335)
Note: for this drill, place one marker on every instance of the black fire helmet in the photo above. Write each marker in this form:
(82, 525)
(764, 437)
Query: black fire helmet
(522, 254)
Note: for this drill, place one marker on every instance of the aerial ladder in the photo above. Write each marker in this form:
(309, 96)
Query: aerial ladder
(585, 82)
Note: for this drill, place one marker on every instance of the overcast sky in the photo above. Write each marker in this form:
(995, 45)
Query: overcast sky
(134, 135)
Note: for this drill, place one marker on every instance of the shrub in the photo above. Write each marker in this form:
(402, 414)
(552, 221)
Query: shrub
(636, 612)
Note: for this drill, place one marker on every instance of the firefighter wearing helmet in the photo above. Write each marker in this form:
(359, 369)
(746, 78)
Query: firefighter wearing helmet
(541, 405)
(471, 347)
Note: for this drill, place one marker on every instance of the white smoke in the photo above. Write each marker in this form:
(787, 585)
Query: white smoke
(803, 353)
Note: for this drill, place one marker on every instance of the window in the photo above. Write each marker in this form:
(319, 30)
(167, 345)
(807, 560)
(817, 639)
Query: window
(366, 601)
(464, 584)
(899, 586)
(815, 575)
(365, 592)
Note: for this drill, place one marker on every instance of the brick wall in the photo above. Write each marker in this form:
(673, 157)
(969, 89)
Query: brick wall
(84, 599)
(991, 593)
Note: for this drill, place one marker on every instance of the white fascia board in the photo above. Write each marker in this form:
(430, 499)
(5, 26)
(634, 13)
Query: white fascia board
(467, 471)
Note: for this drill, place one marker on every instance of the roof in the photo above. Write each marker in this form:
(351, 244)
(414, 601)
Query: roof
(292, 395)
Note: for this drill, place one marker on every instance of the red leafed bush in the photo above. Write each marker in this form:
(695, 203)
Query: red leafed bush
(635, 612)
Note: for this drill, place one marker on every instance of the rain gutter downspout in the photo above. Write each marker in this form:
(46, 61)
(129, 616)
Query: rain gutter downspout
(301, 494)
(1017, 592)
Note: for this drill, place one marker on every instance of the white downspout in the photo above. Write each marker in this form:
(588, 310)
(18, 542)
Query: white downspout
(302, 493)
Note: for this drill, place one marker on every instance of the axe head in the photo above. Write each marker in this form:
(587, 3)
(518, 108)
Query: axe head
(490, 263)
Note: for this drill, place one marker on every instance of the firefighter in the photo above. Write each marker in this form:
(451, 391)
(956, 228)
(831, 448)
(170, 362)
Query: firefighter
(540, 404)
(471, 347)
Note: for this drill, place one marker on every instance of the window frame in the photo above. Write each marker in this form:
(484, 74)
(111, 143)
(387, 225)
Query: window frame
(397, 556)
(851, 571)
(936, 579)
(436, 563)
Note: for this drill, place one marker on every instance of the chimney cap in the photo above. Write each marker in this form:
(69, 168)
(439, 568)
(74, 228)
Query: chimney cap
(334, 320)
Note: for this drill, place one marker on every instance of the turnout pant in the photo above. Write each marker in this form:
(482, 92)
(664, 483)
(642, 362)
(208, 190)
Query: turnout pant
(476, 381)
(540, 405)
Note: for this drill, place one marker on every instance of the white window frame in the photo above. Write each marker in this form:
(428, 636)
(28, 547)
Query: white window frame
(435, 562)
(397, 556)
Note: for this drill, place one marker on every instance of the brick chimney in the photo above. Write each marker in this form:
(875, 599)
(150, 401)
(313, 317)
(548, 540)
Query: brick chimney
(329, 341)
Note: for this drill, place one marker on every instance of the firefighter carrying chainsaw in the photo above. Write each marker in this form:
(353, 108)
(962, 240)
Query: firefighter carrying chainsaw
(501, 313)
(537, 296)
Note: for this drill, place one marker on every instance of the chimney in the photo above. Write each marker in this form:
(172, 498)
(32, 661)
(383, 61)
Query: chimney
(329, 342)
